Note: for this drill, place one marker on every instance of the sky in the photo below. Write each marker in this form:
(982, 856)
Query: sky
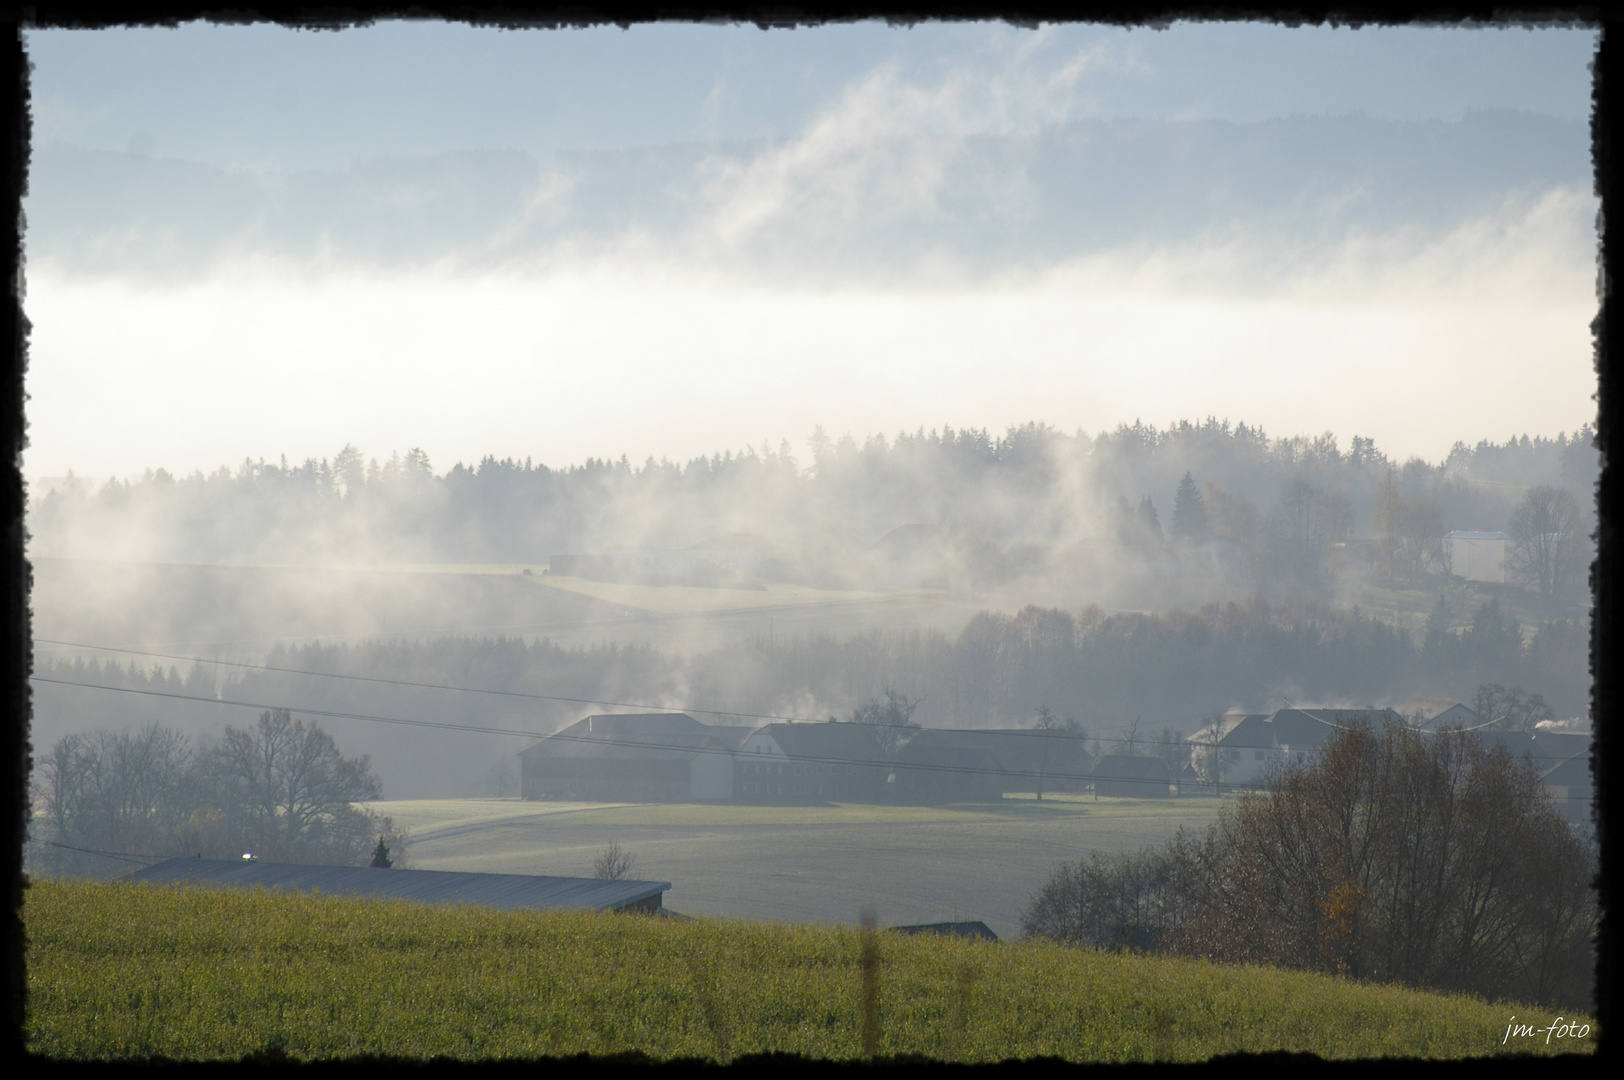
(673, 240)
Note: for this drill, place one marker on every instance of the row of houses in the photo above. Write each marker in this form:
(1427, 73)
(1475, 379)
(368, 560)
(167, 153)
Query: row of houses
(671, 757)
(1242, 749)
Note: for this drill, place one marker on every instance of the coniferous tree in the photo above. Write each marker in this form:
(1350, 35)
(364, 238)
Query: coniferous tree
(1152, 523)
(1189, 512)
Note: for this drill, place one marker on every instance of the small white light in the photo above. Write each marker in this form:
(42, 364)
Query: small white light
(247, 855)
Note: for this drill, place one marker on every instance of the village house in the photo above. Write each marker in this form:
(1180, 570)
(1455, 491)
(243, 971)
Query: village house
(1478, 556)
(1132, 776)
(1243, 749)
(812, 763)
(979, 764)
(1435, 714)
(633, 757)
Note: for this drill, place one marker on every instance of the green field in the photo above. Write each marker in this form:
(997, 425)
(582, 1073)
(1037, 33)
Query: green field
(823, 864)
(122, 971)
(693, 600)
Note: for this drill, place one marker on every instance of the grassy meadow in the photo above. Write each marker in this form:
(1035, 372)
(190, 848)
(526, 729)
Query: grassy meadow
(120, 971)
(820, 863)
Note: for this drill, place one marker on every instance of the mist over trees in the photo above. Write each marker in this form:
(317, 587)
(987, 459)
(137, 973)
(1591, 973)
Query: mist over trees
(1255, 551)
(1193, 513)
(1172, 669)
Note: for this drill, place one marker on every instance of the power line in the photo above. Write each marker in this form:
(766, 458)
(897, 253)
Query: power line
(1042, 774)
(518, 694)
(473, 689)
(428, 686)
(127, 856)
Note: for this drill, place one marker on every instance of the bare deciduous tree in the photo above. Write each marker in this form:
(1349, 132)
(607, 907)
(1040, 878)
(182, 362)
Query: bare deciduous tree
(1424, 859)
(122, 792)
(613, 863)
(1544, 539)
(1514, 710)
(891, 719)
(285, 786)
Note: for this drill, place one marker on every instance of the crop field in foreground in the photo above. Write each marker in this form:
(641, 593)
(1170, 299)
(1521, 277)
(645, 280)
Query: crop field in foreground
(823, 863)
(119, 971)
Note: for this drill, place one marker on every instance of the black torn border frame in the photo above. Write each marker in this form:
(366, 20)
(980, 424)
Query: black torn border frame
(1607, 96)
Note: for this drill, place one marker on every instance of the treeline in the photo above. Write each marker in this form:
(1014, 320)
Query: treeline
(1102, 670)
(1030, 502)
(1431, 861)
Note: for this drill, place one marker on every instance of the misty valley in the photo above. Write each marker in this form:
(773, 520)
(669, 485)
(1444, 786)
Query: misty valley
(912, 675)
(951, 541)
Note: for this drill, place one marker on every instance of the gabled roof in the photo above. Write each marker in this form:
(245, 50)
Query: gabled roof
(1430, 709)
(1572, 772)
(946, 756)
(975, 929)
(1130, 767)
(1251, 731)
(1016, 748)
(1219, 729)
(509, 891)
(1312, 727)
(846, 742)
(637, 735)
(1554, 744)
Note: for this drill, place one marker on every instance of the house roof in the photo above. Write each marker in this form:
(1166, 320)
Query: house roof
(1134, 767)
(1016, 748)
(1312, 727)
(510, 891)
(669, 736)
(827, 741)
(921, 752)
(975, 929)
(1550, 745)
(1251, 731)
(1217, 730)
(1430, 709)
(1572, 772)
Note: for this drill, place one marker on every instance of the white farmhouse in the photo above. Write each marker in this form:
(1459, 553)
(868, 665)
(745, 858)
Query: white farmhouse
(1478, 556)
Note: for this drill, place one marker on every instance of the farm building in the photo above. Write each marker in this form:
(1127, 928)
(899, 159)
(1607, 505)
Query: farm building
(1432, 714)
(1570, 786)
(1242, 748)
(633, 757)
(935, 767)
(1238, 749)
(1478, 556)
(811, 763)
(508, 891)
(976, 930)
(974, 765)
(1301, 733)
(1132, 777)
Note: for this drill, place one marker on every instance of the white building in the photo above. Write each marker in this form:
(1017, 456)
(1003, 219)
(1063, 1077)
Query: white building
(1478, 556)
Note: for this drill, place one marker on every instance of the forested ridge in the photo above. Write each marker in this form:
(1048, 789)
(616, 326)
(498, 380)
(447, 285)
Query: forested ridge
(1012, 505)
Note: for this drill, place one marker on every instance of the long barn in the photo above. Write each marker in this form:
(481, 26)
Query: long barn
(633, 757)
(509, 891)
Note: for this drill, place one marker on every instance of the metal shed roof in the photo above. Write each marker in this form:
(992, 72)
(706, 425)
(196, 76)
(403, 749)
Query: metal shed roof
(511, 891)
(975, 929)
